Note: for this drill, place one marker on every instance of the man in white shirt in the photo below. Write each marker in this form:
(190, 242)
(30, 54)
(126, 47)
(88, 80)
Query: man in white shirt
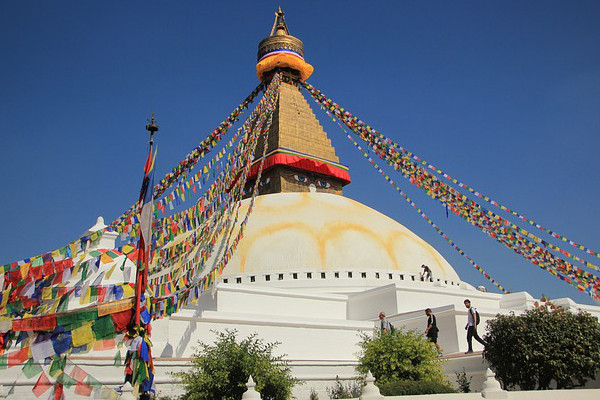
(471, 326)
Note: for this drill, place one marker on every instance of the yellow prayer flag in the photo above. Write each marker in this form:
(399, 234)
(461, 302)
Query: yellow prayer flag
(115, 306)
(83, 335)
(128, 249)
(25, 270)
(128, 291)
(110, 271)
(47, 293)
(5, 295)
(105, 258)
(87, 297)
(73, 248)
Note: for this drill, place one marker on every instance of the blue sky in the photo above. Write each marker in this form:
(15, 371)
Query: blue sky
(503, 95)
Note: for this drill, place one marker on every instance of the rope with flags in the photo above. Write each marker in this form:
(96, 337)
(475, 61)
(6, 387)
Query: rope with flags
(73, 300)
(416, 208)
(513, 237)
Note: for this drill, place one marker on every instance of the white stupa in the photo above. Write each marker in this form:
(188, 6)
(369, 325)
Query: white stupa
(314, 268)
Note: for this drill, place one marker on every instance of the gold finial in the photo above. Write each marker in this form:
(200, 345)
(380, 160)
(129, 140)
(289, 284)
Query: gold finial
(279, 26)
(281, 50)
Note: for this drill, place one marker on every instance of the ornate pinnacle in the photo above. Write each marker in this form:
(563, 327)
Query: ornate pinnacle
(279, 26)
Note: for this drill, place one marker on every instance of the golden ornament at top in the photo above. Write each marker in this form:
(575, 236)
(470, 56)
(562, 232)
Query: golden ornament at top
(281, 50)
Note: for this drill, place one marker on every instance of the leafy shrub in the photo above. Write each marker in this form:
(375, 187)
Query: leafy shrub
(405, 388)
(399, 356)
(220, 371)
(313, 394)
(542, 345)
(464, 384)
(349, 390)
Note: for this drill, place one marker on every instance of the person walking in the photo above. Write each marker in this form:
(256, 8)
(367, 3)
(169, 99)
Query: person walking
(426, 275)
(471, 327)
(385, 325)
(431, 332)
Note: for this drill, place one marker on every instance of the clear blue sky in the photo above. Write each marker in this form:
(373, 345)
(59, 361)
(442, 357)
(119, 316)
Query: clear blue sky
(504, 95)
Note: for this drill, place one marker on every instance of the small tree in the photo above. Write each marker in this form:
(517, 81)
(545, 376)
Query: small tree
(543, 344)
(399, 355)
(220, 371)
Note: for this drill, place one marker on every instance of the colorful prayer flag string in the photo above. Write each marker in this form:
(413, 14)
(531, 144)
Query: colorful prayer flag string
(516, 239)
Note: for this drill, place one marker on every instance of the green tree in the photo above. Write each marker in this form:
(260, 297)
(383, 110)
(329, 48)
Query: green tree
(542, 345)
(220, 370)
(399, 355)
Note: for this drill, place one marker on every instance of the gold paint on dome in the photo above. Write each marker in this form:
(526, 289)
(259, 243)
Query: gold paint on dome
(318, 231)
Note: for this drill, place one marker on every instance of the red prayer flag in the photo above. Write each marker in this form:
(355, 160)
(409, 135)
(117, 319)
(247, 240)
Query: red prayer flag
(101, 294)
(48, 268)
(58, 391)
(42, 384)
(44, 323)
(18, 357)
(82, 389)
(78, 374)
(36, 272)
(122, 319)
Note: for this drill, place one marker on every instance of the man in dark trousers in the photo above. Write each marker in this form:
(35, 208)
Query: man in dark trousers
(471, 326)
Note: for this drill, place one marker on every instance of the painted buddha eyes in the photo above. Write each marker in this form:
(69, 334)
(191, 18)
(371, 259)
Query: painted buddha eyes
(265, 182)
(300, 178)
(318, 183)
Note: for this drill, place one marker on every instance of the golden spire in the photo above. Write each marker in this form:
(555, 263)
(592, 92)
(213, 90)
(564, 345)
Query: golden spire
(279, 26)
(281, 50)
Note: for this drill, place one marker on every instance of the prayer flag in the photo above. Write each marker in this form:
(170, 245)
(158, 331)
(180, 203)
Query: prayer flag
(117, 359)
(146, 197)
(82, 335)
(40, 350)
(42, 384)
(82, 389)
(58, 366)
(78, 374)
(31, 368)
(18, 357)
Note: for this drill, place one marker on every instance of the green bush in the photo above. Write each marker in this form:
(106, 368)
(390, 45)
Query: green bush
(220, 371)
(345, 391)
(464, 383)
(313, 394)
(543, 345)
(405, 388)
(399, 356)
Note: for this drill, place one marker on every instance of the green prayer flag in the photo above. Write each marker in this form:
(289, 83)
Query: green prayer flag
(77, 317)
(31, 368)
(66, 380)
(93, 294)
(63, 304)
(142, 372)
(104, 327)
(58, 366)
(117, 359)
(3, 361)
(90, 380)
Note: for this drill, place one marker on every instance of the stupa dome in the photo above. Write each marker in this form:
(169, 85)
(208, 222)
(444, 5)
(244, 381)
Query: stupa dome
(291, 232)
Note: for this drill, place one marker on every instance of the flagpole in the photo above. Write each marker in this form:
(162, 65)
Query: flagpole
(139, 367)
(142, 267)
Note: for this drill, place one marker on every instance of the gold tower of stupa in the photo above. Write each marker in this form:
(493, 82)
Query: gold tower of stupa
(300, 156)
